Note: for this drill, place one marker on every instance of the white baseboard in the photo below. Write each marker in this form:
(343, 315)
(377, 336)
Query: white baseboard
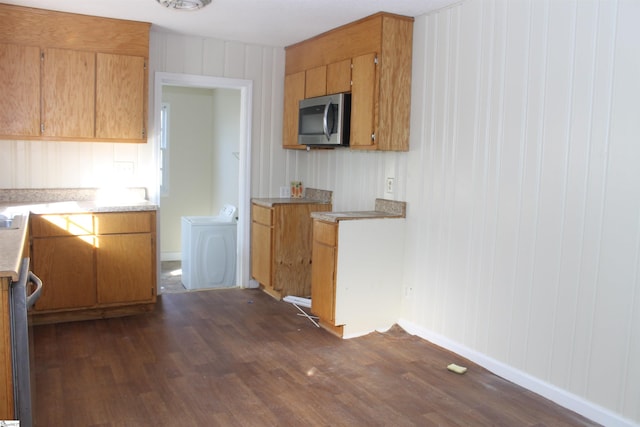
(170, 256)
(561, 397)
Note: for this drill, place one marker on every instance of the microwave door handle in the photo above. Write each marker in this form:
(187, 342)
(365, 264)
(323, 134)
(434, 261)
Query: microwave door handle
(325, 121)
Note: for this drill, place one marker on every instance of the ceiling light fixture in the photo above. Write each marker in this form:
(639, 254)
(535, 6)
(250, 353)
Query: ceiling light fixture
(184, 4)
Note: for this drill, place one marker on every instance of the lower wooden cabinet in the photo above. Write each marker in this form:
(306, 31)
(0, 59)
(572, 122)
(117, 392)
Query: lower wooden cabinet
(93, 264)
(356, 275)
(261, 245)
(66, 264)
(323, 270)
(281, 246)
(125, 268)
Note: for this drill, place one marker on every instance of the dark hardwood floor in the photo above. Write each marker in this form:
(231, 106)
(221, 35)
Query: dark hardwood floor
(239, 358)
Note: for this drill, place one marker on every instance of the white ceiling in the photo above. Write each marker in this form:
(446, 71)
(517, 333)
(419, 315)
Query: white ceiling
(264, 22)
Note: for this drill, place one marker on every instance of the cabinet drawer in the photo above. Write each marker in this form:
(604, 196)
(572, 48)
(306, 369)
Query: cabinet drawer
(325, 232)
(61, 225)
(124, 222)
(261, 215)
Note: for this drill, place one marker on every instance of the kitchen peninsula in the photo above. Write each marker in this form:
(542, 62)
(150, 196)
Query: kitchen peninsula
(356, 277)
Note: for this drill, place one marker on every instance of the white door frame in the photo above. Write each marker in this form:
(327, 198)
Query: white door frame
(244, 196)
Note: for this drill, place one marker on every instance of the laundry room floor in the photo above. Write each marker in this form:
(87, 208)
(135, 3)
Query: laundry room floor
(171, 277)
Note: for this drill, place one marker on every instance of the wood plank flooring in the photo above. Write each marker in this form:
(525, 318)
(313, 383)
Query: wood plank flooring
(237, 357)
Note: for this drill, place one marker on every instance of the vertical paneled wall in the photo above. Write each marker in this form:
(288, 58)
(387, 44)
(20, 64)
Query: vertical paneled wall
(523, 189)
(264, 66)
(46, 164)
(356, 178)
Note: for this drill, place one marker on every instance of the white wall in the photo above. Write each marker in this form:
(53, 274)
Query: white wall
(190, 171)
(523, 190)
(226, 148)
(47, 164)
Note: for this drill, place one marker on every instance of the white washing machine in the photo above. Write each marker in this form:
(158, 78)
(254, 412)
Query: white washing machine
(209, 250)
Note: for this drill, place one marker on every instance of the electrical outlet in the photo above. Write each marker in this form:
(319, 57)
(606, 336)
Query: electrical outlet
(285, 192)
(389, 185)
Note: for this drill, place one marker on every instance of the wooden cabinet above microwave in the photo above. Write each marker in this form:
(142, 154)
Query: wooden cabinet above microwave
(72, 77)
(373, 57)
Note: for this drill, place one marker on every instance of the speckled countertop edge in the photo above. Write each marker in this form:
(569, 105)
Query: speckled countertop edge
(311, 195)
(73, 200)
(11, 244)
(383, 208)
(41, 195)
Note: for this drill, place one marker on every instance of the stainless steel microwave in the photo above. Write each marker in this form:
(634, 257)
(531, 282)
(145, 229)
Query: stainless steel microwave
(325, 120)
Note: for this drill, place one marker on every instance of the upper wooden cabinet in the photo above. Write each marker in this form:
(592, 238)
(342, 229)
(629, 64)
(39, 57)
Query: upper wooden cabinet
(72, 77)
(374, 56)
(20, 89)
(328, 79)
(364, 99)
(315, 82)
(294, 85)
(339, 77)
(120, 96)
(68, 93)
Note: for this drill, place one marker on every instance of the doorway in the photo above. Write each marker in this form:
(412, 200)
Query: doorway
(165, 80)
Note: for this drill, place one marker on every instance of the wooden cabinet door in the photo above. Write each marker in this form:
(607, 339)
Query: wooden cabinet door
(261, 245)
(293, 93)
(339, 77)
(120, 97)
(364, 101)
(66, 266)
(315, 82)
(20, 89)
(6, 367)
(125, 268)
(323, 279)
(68, 93)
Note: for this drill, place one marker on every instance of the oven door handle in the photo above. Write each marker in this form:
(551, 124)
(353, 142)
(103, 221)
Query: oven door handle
(31, 299)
